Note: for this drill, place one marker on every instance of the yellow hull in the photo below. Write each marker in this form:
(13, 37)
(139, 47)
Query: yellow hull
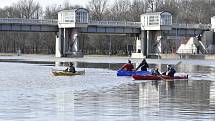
(64, 73)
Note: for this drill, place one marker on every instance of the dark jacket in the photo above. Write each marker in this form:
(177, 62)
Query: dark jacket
(170, 72)
(71, 69)
(144, 65)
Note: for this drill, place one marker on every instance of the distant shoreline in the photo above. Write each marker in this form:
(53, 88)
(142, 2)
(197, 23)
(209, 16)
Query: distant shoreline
(101, 59)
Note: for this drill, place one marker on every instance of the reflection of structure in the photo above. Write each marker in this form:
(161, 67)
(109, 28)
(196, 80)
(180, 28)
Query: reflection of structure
(57, 63)
(65, 106)
(212, 93)
(175, 98)
(195, 69)
(64, 64)
(148, 99)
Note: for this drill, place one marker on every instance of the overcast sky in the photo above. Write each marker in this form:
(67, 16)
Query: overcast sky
(44, 3)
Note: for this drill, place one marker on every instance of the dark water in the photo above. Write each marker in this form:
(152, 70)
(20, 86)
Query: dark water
(29, 92)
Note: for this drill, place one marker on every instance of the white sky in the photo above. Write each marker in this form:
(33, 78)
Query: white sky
(44, 3)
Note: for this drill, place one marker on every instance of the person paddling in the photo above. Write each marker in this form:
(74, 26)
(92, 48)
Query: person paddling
(155, 71)
(170, 71)
(144, 65)
(128, 66)
(71, 68)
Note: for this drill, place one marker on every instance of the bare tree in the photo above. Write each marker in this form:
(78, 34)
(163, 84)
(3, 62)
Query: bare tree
(153, 5)
(185, 8)
(51, 12)
(97, 9)
(10, 12)
(137, 8)
(29, 9)
(119, 10)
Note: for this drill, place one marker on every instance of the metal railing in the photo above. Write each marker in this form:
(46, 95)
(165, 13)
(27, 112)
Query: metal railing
(55, 21)
(115, 23)
(98, 23)
(28, 21)
(191, 26)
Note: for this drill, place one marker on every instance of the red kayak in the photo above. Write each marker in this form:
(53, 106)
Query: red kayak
(158, 77)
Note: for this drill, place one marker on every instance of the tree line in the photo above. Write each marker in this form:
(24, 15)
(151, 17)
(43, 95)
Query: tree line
(184, 11)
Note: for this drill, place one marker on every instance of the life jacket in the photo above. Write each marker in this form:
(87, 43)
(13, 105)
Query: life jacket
(128, 67)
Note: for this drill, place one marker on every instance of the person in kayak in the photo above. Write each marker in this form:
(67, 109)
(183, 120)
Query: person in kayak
(128, 66)
(144, 65)
(156, 71)
(71, 68)
(170, 71)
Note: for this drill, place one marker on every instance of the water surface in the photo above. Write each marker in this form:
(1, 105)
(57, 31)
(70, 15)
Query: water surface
(29, 92)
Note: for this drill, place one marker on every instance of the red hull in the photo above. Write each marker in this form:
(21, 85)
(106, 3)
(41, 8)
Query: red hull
(158, 77)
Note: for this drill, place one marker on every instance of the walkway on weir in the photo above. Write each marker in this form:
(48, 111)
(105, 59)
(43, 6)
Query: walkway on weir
(51, 25)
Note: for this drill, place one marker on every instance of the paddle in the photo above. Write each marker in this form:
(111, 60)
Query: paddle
(177, 64)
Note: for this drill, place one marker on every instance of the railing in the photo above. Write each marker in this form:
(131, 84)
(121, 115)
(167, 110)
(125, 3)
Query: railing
(191, 26)
(99, 23)
(29, 21)
(115, 23)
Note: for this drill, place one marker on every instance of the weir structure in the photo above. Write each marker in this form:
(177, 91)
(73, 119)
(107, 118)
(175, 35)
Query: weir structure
(153, 35)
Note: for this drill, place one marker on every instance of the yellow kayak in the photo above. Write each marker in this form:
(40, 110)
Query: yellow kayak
(66, 73)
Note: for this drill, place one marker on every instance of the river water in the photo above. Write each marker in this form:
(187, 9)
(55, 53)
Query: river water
(29, 92)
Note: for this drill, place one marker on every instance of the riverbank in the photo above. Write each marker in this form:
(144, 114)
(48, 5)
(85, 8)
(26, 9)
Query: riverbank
(102, 59)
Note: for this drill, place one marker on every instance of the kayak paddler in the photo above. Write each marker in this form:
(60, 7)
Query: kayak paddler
(128, 66)
(71, 68)
(170, 71)
(155, 71)
(144, 65)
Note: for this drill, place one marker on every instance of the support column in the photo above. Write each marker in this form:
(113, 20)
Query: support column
(73, 44)
(158, 43)
(138, 45)
(148, 43)
(64, 41)
(141, 46)
(58, 46)
(145, 45)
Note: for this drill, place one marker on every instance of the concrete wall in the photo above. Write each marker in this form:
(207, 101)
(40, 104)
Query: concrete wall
(207, 38)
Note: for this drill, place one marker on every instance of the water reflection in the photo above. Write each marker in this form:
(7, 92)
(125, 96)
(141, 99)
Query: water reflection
(153, 100)
(65, 105)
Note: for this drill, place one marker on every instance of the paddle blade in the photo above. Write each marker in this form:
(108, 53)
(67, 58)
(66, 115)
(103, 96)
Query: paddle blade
(177, 64)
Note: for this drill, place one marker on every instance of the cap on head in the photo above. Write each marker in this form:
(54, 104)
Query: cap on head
(168, 66)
